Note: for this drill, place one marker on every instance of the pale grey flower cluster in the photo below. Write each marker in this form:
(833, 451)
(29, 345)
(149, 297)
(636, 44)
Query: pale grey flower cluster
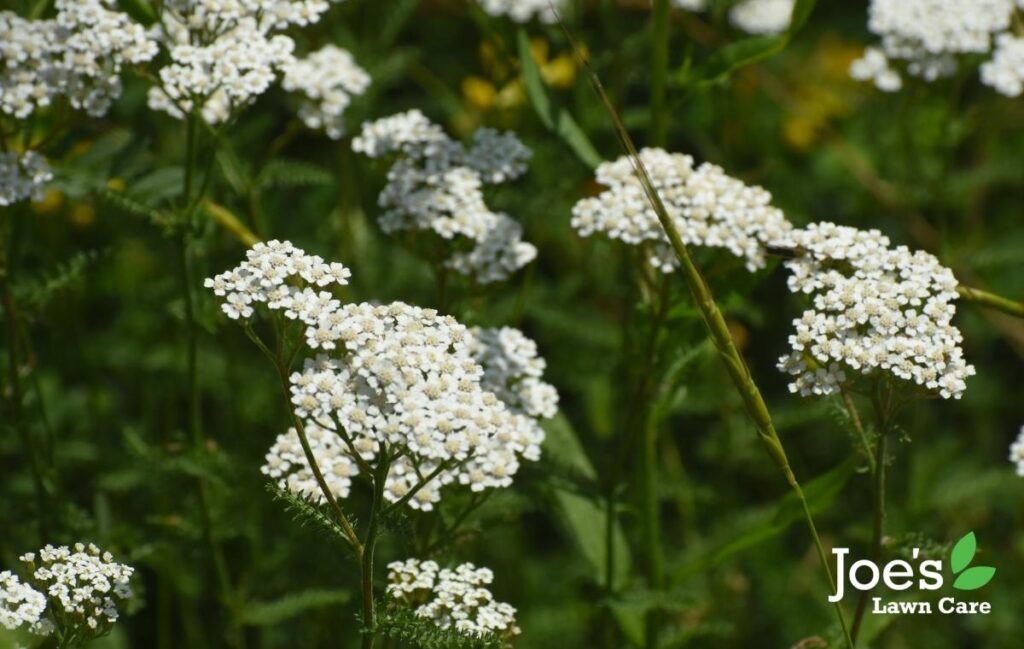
(452, 598)
(394, 383)
(22, 177)
(78, 55)
(436, 185)
(708, 207)
(327, 80)
(513, 370)
(876, 309)
(927, 38)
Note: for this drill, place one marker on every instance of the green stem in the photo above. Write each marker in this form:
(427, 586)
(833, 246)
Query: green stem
(369, 544)
(195, 425)
(659, 73)
(991, 300)
(878, 532)
(716, 325)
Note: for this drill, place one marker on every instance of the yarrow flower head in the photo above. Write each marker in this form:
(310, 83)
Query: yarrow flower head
(876, 308)
(394, 384)
(281, 276)
(523, 11)
(762, 16)
(708, 207)
(79, 54)
(927, 37)
(225, 53)
(1005, 71)
(327, 79)
(83, 587)
(22, 177)
(20, 604)
(452, 598)
(436, 185)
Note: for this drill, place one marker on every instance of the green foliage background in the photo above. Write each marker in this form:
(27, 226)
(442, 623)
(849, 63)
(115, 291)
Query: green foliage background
(94, 273)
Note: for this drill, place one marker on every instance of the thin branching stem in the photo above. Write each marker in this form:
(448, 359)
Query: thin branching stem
(722, 338)
(858, 426)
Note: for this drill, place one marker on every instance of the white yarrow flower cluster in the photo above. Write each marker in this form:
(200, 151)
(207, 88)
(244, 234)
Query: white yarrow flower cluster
(927, 37)
(403, 378)
(395, 383)
(1005, 71)
(691, 5)
(224, 53)
(708, 207)
(453, 599)
(1017, 452)
(22, 177)
(328, 79)
(83, 586)
(875, 309)
(766, 17)
(513, 371)
(79, 54)
(436, 185)
(523, 11)
(20, 604)
(281, 276)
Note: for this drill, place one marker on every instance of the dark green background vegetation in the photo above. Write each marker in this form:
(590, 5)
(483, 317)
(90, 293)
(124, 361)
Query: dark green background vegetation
(95, 280)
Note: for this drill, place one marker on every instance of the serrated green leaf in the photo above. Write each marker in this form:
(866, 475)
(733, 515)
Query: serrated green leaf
(557, 120)
(963, 552)
(974, 578)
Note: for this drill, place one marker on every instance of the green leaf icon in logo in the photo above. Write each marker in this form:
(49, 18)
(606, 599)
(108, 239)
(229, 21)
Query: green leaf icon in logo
(961, 557)
(974, 578)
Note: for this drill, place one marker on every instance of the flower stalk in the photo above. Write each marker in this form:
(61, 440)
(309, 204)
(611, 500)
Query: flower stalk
(717, 328)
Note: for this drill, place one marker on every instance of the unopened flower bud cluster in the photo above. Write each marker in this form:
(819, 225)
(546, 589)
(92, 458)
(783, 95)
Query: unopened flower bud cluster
(452, 598)
(708, 208)
(929, 38)
(327, 79)
(75, 591)
(876, 308)
(436, 185)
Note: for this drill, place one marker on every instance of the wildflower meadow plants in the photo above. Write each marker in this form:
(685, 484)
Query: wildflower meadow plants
(339, 323)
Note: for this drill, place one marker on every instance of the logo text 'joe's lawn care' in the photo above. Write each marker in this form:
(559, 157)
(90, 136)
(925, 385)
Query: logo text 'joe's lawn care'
(899, 575)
